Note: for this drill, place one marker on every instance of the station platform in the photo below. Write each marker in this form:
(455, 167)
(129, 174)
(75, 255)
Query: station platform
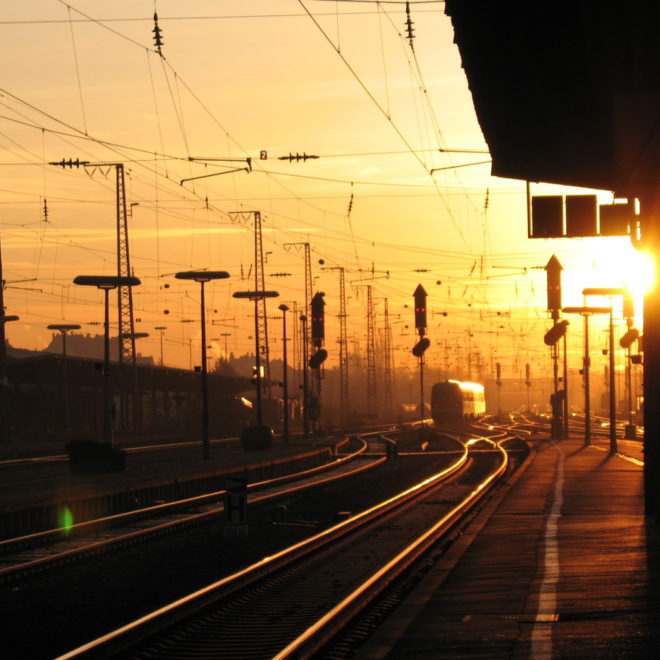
(562, 564)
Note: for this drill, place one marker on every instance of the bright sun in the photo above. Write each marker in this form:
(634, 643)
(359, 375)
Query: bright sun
(617, 264)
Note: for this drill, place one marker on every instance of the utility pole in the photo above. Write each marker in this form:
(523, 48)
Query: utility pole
(124, 293)
(126, 321)
(296, 347)
(371, 341)
(389, 363)
(4, 382)
(371, 354)
(343, 344)
(261, 324)
(305, 327)
(161, 329)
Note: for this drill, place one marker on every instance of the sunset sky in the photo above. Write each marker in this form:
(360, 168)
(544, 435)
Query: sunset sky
(337, 80)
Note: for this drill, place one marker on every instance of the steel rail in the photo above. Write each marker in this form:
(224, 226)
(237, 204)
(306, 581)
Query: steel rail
(131, 634)
(8, 545)
(123, 538)
(321, 632)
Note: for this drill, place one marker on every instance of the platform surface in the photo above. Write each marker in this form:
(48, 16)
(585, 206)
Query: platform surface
(566, 566)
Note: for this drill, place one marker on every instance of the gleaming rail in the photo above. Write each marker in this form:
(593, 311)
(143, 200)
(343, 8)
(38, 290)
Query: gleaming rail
(311, 590)
(52, 548)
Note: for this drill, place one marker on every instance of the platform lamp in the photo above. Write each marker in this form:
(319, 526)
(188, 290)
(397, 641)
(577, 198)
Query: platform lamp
(203, 277)
(4, 318)
(106, 283)
(257, 296)
(285, 376)
(609, 292)
(586, 312)
(63, 329)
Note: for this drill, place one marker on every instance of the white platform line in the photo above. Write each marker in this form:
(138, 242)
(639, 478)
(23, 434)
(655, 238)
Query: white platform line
(546, 612)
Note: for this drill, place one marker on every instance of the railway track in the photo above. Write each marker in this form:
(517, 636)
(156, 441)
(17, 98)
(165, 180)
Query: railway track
(50, 549)
(295, 601)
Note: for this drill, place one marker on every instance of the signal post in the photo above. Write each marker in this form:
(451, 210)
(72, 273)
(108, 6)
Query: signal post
(320, 355)
(559, 399)
(420, 347)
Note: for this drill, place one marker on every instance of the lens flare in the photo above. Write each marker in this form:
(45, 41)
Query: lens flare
(65, 519)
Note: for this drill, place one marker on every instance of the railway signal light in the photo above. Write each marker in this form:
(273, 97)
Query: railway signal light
(629, 338)
(553, 269)
(420, 309)
(318, 358)
(318, 319)
(555, 333)
(420, 347)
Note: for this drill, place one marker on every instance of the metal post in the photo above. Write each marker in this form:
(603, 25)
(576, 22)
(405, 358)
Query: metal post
(205, 391)
(303, 320)
(421, 388)
(65, 370)
(161, 328)
(613, 443)
(630, 429)
(257, 361)
(565, 375)
(587, 393)
(107, 393)
(285, 382)
(556, 423)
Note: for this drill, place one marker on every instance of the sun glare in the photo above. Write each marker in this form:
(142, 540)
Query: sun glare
(619, 264)
(642, 273)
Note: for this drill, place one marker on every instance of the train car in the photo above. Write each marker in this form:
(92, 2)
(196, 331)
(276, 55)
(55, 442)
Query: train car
(453, 401)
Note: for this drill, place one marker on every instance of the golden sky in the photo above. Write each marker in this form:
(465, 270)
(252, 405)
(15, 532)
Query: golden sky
(337, 80)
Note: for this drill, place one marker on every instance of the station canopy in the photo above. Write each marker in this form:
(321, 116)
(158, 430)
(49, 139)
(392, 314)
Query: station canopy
(566, 93)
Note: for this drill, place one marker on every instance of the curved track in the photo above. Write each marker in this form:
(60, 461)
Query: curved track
(313, 589)
(50, 549)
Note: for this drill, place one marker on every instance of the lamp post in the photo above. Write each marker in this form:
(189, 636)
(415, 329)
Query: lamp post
(4, 318)
(161, 329)
(257, 296)
(586, 312)
(203, 276)
(63, 328)
(303, 321)
(285, 382)
(106, 283)
(610, 292)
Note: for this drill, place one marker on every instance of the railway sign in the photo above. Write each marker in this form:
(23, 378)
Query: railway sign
(318, 358)
(420, 347)
(553, 269)
(318, 319)
(420, 309)
(631, 336)
(555, 333)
